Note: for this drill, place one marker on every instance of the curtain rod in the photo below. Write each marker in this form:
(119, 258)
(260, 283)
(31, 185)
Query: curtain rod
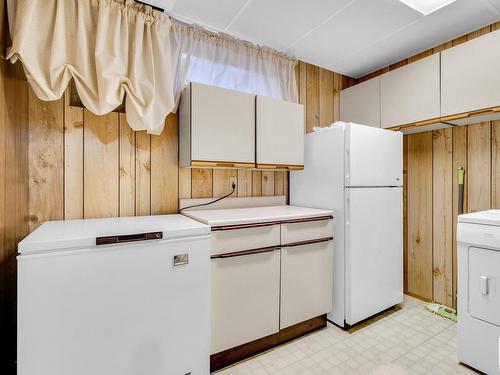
(152, 6)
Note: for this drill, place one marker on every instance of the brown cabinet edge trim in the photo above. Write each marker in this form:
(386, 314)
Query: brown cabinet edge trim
(270, 223)
(245, 226)
(241, 352)
(307, 242)
(259, 250)
(307, 219)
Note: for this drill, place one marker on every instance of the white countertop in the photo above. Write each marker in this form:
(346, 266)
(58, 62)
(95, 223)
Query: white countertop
(237, 216)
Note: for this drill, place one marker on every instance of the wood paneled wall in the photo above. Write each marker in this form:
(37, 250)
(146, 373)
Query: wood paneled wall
(431, 163)
(87, 166)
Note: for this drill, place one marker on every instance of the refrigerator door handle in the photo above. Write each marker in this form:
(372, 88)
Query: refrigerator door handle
(347, 211)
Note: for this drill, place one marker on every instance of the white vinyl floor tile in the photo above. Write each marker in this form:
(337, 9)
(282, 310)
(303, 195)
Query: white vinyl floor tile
(406, 340)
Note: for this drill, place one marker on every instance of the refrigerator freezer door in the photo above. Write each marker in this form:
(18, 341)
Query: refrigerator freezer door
(373, 156)
(373, 250)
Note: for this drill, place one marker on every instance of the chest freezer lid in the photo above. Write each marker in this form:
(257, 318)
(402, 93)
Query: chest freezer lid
(489, 217)
(77, 234)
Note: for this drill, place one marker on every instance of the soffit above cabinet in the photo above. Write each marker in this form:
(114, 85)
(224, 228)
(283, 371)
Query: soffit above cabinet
(352, 37)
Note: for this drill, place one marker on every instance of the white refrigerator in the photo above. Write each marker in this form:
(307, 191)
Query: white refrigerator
(356, 171)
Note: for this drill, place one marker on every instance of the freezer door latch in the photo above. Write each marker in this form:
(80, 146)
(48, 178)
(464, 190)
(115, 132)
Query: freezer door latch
(181, 259)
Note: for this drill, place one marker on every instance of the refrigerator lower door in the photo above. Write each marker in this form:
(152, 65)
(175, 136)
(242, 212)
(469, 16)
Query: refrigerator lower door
(373, 251)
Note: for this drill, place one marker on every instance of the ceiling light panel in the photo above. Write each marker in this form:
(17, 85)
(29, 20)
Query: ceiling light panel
(427, 6)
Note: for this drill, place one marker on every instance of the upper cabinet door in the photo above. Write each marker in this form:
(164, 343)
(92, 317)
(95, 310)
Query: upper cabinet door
(470, 75)
(361, 103)
(411, 93)
(280, 134)
(217, 127)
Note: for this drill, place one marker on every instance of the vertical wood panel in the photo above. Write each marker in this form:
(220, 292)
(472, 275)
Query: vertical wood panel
(101, 165)
(221, 181)
(244, 183)
(420, 215)
(14, 181)
(46, 137)
(459, 160)
(127, 168)
(325, 97)
(184, 183)
(495, 164)
(442, 198)
(312, 97)
(143, 173)
(165, 169)
(256, 183)
(479, 166)
(73, 160)
(337, 86)
(279, 180)
(267, 183)
(201, 183)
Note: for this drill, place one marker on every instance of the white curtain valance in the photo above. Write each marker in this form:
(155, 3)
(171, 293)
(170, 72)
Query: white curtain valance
(109, 47)
(221, 60)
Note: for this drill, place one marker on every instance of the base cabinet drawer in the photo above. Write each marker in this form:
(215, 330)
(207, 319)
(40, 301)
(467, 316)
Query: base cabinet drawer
(245, 298)
(239, 238)
(306, 230)
(306, 282)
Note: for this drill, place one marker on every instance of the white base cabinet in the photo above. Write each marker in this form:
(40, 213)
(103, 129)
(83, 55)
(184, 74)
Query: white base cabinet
(306, 282)
(269, 276)
(245, 298)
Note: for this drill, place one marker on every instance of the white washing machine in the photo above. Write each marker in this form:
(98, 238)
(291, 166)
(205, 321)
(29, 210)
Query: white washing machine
(478, 236)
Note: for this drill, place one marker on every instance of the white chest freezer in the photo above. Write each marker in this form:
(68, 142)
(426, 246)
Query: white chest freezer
(114, 296)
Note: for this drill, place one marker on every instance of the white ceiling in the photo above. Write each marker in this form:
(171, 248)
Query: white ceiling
(352, 37)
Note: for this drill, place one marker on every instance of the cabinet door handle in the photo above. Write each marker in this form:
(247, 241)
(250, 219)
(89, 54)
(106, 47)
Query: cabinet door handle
(128, 238)
(244, 226)
(246, 252)
(308, 242)
(307, 219)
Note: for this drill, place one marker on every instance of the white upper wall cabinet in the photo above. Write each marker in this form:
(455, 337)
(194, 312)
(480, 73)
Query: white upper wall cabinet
(361, 103)
(470, 75)
(411, 93)
(217, 127)
(280, 134)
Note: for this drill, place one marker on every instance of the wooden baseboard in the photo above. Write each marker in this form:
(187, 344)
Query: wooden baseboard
(239, 353)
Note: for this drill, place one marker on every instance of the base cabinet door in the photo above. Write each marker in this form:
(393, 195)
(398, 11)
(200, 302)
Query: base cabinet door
(245, 298)
(306, 282)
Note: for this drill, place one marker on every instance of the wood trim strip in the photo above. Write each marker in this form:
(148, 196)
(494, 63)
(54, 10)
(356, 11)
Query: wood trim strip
(259, 250)
(220, 164)
(307, 242)
(245, 226)
(241, 352)
(281, 166)
(308, 219)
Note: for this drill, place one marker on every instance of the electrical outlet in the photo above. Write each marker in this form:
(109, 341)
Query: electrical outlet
(233, 180)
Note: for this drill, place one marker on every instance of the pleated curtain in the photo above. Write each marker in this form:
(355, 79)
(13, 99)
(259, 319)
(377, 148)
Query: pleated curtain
(111, 48)
(116, 49)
